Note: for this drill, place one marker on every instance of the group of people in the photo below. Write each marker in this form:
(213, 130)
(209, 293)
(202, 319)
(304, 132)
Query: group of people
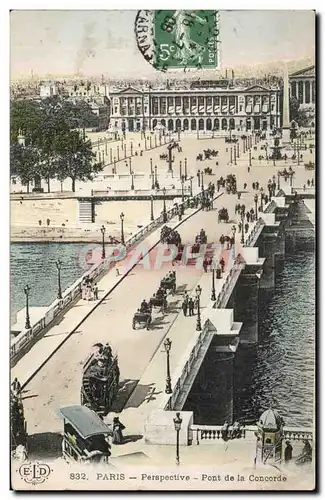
(231, 431)
(89, 291)
(227, 242)
(188, 305)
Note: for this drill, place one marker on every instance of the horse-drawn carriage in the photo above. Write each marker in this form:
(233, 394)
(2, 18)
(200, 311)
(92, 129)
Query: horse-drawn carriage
(159, 299)
(170, 236)
(168, 283)
(100, 380)
(142, 318)
(223, 215)
(310, 166)
(85, 436)
(201, 238)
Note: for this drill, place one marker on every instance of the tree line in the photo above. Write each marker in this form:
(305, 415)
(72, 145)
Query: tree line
(54, 147)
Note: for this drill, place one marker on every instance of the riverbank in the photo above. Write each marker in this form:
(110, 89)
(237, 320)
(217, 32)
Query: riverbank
(61, 234)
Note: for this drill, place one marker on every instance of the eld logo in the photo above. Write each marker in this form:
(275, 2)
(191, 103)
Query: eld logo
(34, 473)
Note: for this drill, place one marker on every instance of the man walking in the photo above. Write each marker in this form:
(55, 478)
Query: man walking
(95, 291)
(191, 307)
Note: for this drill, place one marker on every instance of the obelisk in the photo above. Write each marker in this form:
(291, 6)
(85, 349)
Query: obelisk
(286, 109)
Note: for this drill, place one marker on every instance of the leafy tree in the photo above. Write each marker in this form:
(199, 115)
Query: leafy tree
(297, 114)
(24, 162)
(76, 159)
(25, 116)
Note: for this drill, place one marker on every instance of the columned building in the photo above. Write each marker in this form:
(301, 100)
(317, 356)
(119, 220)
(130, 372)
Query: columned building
(204, 109)
(302, 86)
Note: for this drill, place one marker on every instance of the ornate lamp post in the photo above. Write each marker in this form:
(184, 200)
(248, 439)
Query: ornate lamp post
(278, 173)
(238, 149)
(151, 207)
(27, 321)
(178, 425)
(250, 157)
(185, 166)
(198, 291)
(130, 166)
(164, 207)
(132, 181)
(156, 176)
(256, 202)
(167, 346)
(180, 169)
(235, 162)
(122, 228)
(198, 177)
(230, 150)
(242, 217)
(152, 178)
(102, 230)
(202, 186)
(114, 166)
(58, 266)
(213, 290)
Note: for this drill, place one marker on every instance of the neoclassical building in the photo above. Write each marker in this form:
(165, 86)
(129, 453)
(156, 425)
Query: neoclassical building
(194, 109)
(302, 86)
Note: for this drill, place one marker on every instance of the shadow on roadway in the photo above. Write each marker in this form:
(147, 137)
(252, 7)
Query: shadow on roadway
(44, 445)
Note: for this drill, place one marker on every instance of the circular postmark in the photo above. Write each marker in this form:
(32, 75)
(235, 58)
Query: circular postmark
(178, 39)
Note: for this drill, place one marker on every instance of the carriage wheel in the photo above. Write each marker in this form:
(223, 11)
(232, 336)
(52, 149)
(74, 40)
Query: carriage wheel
(133, 324)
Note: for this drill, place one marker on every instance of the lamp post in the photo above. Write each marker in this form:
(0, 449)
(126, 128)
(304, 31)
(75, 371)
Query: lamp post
(178, 425)
(152, 175)
(256, 201)
(122, 228)
(110, 155)
(198, 291)
(58, 266)
(262, 198)
(235, 155)
(132, 181)
(164, 207)
(278, 173)
(130, 166)
(27, 321)
(167, 346)
(202, 186)
(185, 166)
(250, 157)
(238, 149)
(180, 169)
(102, 230)
(230, 150)
(213, 291)
(114, 167)
(198, 177)
(151, 208)
(156, 176)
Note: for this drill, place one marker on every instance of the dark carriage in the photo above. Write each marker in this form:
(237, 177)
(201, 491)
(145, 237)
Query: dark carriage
(142, 318)
(100, 380)
(168, 284)
(179, 255)
(159, 300)
(170, 236)
(223, 215)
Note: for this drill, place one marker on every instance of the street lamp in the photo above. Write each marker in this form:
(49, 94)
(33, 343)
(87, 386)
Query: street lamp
(27, 321)
(132, 181)
(235, 155)
(152, 177)
(178, 425)
(102, 230)
(151, 206)
(202, 181)
(167, 346)
(256, 201)
(156, 177)
(185, 166)
(198, 177)
(180, 169)
(122, 228)
(58, 266)
(130, 166)
(278, 173)
(262, 198)
(191, 184)
(198, 291)
(213, 291)
(164, 207)
(250, 157)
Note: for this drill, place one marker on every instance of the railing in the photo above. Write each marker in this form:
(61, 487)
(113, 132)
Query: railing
(236, 269)
(256, 229)
(208, 434)
(29, 336)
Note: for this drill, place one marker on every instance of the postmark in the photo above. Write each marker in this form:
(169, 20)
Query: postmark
(179, 39)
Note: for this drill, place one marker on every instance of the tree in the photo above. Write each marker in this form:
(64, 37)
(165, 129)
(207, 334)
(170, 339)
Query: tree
(76, 159)
(297, 114)
(25, 116)
(24, 162)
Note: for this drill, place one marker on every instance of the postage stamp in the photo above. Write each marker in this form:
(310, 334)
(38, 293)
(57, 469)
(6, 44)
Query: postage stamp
(179, 39)
(162, 331)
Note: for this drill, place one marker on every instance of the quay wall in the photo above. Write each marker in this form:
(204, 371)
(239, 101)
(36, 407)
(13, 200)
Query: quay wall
(28, 212)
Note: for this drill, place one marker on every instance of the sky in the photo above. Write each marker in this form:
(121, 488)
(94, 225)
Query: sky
(103, 42)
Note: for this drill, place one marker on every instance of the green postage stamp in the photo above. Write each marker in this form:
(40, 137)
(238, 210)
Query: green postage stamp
(179, 39)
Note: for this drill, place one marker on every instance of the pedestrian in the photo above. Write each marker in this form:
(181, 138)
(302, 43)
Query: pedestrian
(184, 307)
(224, 431)
(308, 183)
(118, 427)
(246, 227)
(288, 452)
(205, 265)
(248, 169)
(191, 307)
(117, 272)
(312, 183)
(222, 240)
(304, 187)
(232, 241)
(222, 264)
(16, 386)
(218, 271)
(245, 185)
(95, 291)
(253, 185)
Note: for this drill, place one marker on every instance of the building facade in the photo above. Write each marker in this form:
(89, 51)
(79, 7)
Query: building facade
(196, 109)
(302, 86)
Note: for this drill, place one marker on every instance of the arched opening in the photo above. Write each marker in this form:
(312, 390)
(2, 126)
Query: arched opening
(249, 124)
(154, 123)
(163, 122)
(232, 123)
(224, 124)
(216, 124)
(264, 125)
(185, 124)
(178, 124)
(201, 124)
(193, 124)
(170, 125)
(209, 124)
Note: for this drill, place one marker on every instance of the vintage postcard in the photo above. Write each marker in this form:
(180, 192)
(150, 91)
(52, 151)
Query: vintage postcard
(162, 197)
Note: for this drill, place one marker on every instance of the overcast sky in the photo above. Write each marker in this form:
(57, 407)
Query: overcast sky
(96, 42)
